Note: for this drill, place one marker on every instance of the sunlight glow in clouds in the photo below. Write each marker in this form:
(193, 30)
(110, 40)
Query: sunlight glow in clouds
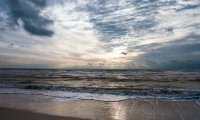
(100, 33)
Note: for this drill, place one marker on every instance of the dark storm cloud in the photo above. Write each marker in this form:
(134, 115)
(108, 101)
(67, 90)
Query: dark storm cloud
(28, 11)
(177, 54)
(188, 6)
(147, 47)
(40, 3)
(124, 53)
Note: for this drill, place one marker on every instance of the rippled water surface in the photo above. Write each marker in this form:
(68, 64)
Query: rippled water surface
(127, 83)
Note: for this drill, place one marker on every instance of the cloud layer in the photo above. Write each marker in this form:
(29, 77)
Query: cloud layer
(132, 34)
(27, 14)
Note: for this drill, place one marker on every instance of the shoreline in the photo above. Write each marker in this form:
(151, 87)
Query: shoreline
(89, 109)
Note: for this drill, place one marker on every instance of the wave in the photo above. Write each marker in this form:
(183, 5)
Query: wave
(164, 93)
(64, 95)
(118, 83)
(167, 93)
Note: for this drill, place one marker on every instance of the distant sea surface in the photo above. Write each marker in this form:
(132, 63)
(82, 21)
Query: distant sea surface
(105, 85)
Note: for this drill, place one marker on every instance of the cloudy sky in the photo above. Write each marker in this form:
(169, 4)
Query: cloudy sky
(100, 34)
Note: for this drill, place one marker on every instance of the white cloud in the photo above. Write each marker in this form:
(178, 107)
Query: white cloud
(93, 33)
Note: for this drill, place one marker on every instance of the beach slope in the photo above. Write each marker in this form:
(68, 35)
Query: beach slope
(34, 107)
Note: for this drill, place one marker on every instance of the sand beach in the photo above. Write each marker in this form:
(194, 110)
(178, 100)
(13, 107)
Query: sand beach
(35, 107)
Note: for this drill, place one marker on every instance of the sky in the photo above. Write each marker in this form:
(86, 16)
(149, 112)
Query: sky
(100, 34)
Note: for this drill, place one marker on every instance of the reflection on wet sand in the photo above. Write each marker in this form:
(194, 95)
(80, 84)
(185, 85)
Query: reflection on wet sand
(140, 109)
(118, 111)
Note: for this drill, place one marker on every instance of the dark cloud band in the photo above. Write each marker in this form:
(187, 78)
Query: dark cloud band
(28, 11)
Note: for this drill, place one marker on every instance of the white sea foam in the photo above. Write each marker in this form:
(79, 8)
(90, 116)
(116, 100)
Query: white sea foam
(64, 95)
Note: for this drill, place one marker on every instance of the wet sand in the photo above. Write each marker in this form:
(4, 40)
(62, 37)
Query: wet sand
(40, 107)
(14, 114)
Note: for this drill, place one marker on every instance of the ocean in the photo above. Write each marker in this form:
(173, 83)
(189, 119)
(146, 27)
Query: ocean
(103, 85)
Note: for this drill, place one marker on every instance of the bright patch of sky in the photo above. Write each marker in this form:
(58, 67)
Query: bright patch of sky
(100, 34)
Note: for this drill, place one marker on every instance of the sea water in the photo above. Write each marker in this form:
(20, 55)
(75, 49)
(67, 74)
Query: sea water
(104, 85)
